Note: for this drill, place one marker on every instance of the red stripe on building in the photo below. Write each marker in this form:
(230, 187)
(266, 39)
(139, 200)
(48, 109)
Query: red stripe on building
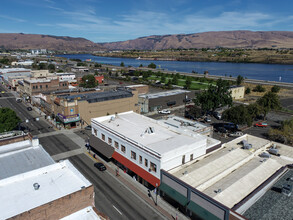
(136, 169)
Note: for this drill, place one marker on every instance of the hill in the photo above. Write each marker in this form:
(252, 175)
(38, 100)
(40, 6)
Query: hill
(35, 41)
(227, 39)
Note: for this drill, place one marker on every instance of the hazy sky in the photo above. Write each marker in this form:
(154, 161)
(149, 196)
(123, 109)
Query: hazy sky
(117, 20)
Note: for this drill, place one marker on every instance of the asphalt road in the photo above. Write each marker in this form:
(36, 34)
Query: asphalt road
(35, 127)
(111, 197)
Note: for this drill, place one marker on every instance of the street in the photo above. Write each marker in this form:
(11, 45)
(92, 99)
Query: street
(111, 197)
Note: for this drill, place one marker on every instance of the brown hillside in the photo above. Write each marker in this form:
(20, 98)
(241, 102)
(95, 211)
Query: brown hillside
(227, 39)
(56, 43)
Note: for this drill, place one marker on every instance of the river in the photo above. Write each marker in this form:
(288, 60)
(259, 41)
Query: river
(269, 72)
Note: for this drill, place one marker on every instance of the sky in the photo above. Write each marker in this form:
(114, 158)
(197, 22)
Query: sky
(119, 20)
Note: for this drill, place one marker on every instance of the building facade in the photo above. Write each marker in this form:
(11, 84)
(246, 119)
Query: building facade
(144, 146)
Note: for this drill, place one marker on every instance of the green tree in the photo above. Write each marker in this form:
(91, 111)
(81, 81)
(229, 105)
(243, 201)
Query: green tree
(247, 91)
(140, 65)
(169, 84)
(42, 66)
(175, 80)
(122, 64)
(8, 119)
(51, 67)
(284, 133)
(275, 89)
(88, 81)
(270, 101)
(216, 96)
(238, 115)
(163, 78)
(259, 88)
(239, 80)
(188, 82)
(152, 65)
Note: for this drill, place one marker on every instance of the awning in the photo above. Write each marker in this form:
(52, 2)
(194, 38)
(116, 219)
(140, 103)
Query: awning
(178, 197)
(101, 146)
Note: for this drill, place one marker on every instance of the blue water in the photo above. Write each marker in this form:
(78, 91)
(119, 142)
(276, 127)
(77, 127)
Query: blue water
(269, 72)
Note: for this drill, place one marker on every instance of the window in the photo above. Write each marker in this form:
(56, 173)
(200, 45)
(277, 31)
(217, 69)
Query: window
(153, 167)
(133, 155)
(34, 87)
(46, 86)
(183, 159)
(95, 131)
(103, 137)
(146, 162)
(140, 159)
(116, 144)
(110, 141)
(123, 149)
(41, 86)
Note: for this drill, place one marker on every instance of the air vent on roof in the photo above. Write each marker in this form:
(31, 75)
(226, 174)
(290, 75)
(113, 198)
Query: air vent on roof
(150, 130)
(36, 186)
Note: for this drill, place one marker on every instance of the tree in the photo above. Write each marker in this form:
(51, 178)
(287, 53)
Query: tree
(247, 91)
(122, 64)
(88, 81)
(284, 133)
(140, 65)
(51, 67)
(259, 88)
(270, 101)
(42, 66)
(238, 115)
(239, 80)
(163, 78)
(169, 84)
(275, 89)
(216, 96)
(8, 119)
(175, 80)
(188, 82)
(152, 65)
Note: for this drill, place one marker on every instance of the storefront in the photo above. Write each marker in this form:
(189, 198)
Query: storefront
(69, 121)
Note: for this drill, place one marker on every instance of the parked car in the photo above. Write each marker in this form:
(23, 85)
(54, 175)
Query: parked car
(164, 111)
(100, 166)
(18, 100)
(236, 134)
(231, 126)
(29, 108)
(217, 115)
(261, 124)
(88, 127)
(221, 130)
(207, 119)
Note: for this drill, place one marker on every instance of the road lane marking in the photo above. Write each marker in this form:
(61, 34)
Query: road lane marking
(117, 210)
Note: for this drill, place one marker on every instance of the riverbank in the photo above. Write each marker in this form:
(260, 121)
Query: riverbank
(264, 56)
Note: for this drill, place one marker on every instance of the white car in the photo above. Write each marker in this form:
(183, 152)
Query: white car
(236, 134)
(164, 111)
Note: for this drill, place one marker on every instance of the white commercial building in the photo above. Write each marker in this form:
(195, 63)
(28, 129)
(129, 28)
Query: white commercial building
(69, 77)
(145, 146)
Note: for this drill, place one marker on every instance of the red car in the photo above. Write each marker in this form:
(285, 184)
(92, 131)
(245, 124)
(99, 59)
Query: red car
(261, 124)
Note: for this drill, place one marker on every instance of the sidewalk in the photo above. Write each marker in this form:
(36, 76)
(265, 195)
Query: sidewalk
(141, 191)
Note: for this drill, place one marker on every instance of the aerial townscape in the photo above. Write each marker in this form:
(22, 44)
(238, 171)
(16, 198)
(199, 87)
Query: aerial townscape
(179, 110)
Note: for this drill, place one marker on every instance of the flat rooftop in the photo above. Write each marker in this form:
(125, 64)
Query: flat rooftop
(229, 174)
(99, 96)
(7, 70)
(57, 180)
(162, 139)
(185, 124)
(164, 94)
(87, 213)
(21, 157)
(273, 204)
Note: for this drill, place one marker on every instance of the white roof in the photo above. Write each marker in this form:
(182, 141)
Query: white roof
(135, 127)
(87, 213)
(40, 80)
(163, 94)
(57, 180)
(236, 171)
(7, 70)
(21, 157)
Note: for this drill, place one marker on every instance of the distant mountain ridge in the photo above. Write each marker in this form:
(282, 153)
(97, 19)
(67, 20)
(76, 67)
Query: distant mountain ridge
(14, 41)
(227, 39)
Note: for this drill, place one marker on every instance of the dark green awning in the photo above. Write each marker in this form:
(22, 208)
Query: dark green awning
(201, 212)
(173, 194)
